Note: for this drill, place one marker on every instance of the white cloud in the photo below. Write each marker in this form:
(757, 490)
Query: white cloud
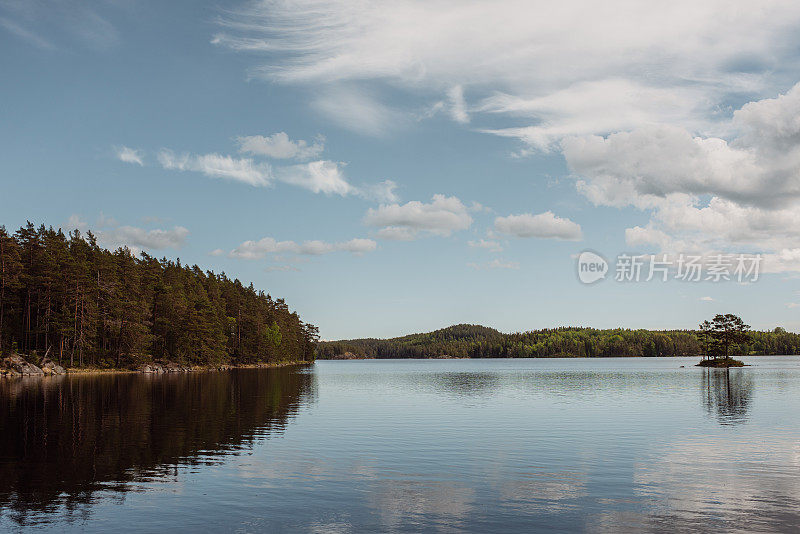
(281, 268)
(442, 216)
(574, 110)
(63, 22)
(543, 225)
(25, 34)
(583, 68)
(321, 176)
(381, 192)
(253, 250)
(217, 166)
(279, 146)
(705, 193)
(493, 246)
(112, 236)
(129, 155)
(316, 176)
(397, 233)
(135, 237)
(707, 299)
(358, 110)
(458, 106)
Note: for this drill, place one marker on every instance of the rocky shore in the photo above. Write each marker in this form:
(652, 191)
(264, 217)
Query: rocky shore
(17, 366)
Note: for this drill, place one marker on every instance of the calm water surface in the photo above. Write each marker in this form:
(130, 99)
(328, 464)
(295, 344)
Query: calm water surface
(606, 445)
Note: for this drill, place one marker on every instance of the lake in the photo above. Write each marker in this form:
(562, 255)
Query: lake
(595, 445)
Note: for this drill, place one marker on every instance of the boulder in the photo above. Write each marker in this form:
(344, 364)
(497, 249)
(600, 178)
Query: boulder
(49, 367)
(17, 363)
(172, 367)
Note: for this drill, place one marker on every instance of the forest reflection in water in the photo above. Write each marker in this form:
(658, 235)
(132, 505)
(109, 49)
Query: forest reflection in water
(66, 437)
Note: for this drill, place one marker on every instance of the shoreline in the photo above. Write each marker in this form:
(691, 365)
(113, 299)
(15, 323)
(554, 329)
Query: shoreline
(87, 371)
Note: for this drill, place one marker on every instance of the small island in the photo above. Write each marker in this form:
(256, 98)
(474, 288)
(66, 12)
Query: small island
(721, 363)
(717, 336)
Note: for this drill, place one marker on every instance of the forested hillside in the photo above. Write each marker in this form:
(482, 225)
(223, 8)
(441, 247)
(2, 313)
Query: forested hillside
(472, 341)
(90, 306)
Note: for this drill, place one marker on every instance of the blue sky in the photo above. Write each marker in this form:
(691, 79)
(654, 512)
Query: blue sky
(392, 168)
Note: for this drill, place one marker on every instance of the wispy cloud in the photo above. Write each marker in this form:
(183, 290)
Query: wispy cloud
(490, 245)
(319, 176)
(254, 250)
(111, 235)
(494, 264)
(218, 166)
(25, 34)
(279, 146)
(63, 22)
(129, 155)
(578, 80)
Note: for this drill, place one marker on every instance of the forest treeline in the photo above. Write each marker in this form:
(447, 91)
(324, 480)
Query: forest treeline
(473, 341)
(64, 295)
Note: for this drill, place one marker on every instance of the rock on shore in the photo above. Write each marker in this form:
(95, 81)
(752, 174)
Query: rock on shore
(49, 367)
(15, 365)
(166, 367)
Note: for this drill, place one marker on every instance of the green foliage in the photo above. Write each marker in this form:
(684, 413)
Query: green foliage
(85, 305)
(723, 332)
(473, 341)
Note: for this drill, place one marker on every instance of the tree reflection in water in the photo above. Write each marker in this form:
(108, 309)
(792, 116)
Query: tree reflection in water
(65, 438)
(727, 394)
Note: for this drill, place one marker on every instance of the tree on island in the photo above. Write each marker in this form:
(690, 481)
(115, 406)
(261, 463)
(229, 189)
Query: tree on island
(718, 335)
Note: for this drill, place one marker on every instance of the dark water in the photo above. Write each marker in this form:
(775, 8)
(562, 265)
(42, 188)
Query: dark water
(613, 445)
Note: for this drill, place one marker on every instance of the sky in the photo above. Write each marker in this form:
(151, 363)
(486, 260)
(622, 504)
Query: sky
(397, 167)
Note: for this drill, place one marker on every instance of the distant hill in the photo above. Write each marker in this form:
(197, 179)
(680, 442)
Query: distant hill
(476, 341)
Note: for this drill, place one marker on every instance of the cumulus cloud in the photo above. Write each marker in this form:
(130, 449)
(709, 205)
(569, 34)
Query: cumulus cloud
(582, 69)
(543, 225)
(129, 155)
(442, 216)
(705, 193)
(279, 146)
(397, 233)
(317, 176)
(253, 250)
